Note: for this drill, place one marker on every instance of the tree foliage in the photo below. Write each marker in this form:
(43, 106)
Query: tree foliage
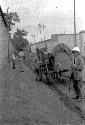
(20, 33)
(19, 43)
(18, 40)
(11, 18)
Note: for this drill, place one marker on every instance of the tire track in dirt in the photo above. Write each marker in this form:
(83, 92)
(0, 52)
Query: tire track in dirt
(68, 101)
(65, 99)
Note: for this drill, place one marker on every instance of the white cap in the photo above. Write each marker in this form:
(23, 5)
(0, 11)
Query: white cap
(76, 49)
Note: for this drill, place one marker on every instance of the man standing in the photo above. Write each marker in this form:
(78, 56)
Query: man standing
(77, 67)
(38, 72)
(21, 56)
(38, 65)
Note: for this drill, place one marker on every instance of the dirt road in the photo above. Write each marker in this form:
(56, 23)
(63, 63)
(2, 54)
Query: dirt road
(23, 101)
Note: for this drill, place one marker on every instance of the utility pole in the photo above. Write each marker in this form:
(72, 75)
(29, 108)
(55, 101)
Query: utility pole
(8, 35)
(74, 26)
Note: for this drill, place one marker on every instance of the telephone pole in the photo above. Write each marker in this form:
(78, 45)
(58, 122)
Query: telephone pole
(8, 34)
(74, 26)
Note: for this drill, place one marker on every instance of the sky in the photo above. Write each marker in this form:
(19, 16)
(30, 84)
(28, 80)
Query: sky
(56, 15)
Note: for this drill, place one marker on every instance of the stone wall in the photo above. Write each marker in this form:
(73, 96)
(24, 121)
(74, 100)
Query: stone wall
(3, 42)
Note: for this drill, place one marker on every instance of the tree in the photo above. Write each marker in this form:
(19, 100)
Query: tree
(18, 40)
(11, 19)
(20, 33)
(19, 43)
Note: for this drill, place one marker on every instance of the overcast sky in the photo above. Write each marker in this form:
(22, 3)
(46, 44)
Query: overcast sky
(56, 15)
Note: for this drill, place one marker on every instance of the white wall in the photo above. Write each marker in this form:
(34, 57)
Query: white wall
(82, 43)
(39, 45)
(67, 39)
(63, 38)
(51, 44)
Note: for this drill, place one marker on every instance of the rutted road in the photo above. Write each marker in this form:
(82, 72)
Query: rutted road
(27, 102)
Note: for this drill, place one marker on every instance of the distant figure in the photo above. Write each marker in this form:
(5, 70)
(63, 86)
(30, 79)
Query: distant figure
(51, 61)
(38, 53)
(77, 67)
(13, 59)
(38, 65)
(21, 56)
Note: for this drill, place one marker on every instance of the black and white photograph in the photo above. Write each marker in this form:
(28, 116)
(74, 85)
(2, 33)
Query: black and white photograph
(42, 62)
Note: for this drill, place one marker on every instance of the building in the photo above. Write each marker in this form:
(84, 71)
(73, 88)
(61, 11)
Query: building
(3, 40)
(62, 38)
